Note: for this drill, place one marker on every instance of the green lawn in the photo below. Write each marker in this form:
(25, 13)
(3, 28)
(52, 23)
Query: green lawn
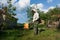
(48, 34)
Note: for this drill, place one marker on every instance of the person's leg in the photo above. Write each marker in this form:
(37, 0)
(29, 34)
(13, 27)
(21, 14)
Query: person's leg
(36, 28)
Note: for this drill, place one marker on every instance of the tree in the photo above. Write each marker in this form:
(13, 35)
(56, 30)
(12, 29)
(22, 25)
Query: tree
(9, 12)
(54, 13)
(29, 14)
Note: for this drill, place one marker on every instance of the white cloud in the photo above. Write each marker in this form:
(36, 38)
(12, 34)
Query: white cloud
(51, 7)
(22, 4)
(49, 1)
(58, 5)
(46, 10)
(13, 1)
(39, 6)
(33, 5)
(4, 2)
(21, 17)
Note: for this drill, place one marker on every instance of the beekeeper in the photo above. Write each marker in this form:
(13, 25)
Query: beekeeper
(36, 20)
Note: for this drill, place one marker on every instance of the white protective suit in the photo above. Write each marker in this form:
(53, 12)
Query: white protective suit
(35, 16)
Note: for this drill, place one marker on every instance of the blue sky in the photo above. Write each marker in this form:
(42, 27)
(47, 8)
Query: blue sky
(21, 5)
(46, 3)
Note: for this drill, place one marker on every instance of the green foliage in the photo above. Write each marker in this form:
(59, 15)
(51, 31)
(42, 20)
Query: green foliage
(9, 12)
(20, 26)
(43, 16)
(13, 34)
(54, 11)
(41, 26)
(29, 14)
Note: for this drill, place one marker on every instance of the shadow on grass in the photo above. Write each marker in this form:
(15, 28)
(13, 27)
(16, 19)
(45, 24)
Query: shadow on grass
(12, 34)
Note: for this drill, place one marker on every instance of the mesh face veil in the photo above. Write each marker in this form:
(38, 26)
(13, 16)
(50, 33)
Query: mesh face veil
(33, 10)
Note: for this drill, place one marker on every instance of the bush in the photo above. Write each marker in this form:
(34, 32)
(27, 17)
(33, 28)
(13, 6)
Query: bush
(41, 26)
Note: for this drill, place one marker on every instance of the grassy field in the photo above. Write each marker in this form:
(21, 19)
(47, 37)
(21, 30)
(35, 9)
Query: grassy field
(48, 34)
